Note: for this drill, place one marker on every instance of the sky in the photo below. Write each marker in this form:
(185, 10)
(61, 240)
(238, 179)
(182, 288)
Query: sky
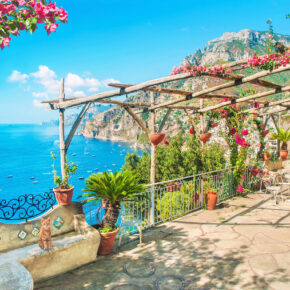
(117, 41)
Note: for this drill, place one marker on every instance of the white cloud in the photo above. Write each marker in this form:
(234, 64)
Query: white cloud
(17, 76)
(74, 81)
(110, 81)
(79, 94)
(40, 94)
(45, 84)
(44, 73)
(37, 104)
(93, 89)
(47, 78)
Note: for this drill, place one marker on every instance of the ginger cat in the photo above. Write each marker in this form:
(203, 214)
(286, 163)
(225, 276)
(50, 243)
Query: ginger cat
(44, 240)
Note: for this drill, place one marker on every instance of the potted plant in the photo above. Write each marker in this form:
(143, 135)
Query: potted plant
(63, 190)
(266, 155)
(284, 137)
(210, 195)
(113, 188)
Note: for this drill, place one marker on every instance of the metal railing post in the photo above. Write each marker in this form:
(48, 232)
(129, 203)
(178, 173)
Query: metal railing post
(152, 205)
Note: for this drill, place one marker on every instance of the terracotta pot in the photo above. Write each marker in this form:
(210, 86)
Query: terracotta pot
(265, 132)
(173, 186)
(211, 200)
(283, 154)
(156, 138)
(265, 157)
(63, 196)
(254, 113)
(107, 242)
(204, 137)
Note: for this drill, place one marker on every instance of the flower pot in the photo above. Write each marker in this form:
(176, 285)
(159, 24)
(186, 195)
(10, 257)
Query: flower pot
(63, 196)
(283, 154)
(265, 157)
(173, 186)
(156, 138)
(211, 200)
(107, 242)
(254, 113)
(204, 137)
(265, 132)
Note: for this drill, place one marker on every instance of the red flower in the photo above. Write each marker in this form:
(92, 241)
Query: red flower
(214, 125)
(233, 131)
(245, 132)
(240, 189)
(191, 131)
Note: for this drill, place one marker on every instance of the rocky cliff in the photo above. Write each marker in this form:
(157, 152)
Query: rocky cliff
(116, 125)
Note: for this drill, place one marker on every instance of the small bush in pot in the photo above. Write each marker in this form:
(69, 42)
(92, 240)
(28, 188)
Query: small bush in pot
(112, 188)
(283, 136)
(63, 190)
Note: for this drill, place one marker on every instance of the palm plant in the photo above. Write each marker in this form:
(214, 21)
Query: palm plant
(113, 188)
(283, 136)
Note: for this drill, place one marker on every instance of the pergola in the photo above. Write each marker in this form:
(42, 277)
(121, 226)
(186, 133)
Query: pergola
(181, 100)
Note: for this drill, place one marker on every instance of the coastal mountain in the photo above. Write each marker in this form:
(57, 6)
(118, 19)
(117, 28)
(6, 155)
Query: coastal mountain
(116, 125)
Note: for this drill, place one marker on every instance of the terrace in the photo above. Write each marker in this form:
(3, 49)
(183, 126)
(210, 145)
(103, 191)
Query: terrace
(243, 244)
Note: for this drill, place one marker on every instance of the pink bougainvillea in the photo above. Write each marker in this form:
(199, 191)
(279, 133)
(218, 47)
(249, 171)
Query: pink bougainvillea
(245, 132)
(19, 15)
(191, 131)
(240, 189)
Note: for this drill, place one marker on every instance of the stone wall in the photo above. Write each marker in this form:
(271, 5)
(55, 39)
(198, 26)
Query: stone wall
(13, 236)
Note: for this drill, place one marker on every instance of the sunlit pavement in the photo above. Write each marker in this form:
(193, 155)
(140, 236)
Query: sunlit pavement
(243, 245)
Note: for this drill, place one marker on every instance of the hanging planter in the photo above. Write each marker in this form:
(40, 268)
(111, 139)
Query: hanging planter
(265, 132)
(156, 138)
(204, 137)
(266, 156)
(254, 113)
(283, 154)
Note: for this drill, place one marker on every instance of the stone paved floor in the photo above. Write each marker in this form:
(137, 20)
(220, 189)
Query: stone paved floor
(244, 245)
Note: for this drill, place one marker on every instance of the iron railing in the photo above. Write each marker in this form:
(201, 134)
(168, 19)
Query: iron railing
(168, 200)
(26, 207)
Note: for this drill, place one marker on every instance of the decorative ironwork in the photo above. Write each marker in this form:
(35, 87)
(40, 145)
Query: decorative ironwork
(26, 206)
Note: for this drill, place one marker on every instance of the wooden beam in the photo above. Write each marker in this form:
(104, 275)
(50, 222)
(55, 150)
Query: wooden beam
(174, 91)
(247, 98)
(61, 132)
(75, 126)
(224, 86)
(275, 111)
(164, 121)
(137, 119)
(119, 92)
(258, 82)
(156, 89)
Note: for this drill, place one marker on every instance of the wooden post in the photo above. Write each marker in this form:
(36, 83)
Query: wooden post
(201, 122)
(61, 131)
(153, 161)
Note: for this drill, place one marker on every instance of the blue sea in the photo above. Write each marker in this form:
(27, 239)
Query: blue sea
(26, 163)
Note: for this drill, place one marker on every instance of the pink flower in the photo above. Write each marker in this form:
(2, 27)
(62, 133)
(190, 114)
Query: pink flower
(256, 105)
(51, 28)
(5, 42)
(191, 131)
(240, 189)
(245, 132)
(243, 177)
(62, 14)
(165, 142)
(233, 131)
